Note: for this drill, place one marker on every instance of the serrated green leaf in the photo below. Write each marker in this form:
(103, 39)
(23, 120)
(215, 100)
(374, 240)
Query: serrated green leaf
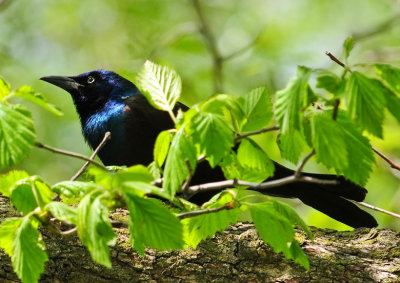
(213, 135)
(277, 231)
(365, 102)
(72, 191)
(134, 173)
(8, 180)
(153, 225)
(291, 100)
(8, 229)
(161, 85)
(328, 81)
(291, 145)
(161, 147)
(392, 102)
(389, 74)
(62, 212)
(94, 228)
(154, 170)
(201, 227)
(176, 169)
(30, 193)
(258, 166)
(328, 141)
(257, 108)
(30, 94)
(17, 134)
(361, 157)
(348, 45)
(28, 252)
(5, 88)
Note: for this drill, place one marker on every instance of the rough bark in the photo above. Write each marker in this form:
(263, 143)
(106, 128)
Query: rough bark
(237, 255)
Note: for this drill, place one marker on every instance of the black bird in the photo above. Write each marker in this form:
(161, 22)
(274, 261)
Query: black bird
(106, 101)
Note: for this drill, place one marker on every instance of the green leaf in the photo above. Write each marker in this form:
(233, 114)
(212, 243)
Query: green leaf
(17, 134)
(30, 193)
(5, 88)
(62, 212)
(366, 102)
(258, 109)
(328, 81)
(291, 101)
(161, 85)
(20, 239)
(361, 158)
(392, 102)
(153, 225)
(94, 228)
(8, 180)
(154, 170)
(161, 147)
(30, 94)
(291, 145)
(73, 191)
(258, 166)
(213, 135)
(389, 74)
(201, 227)
(176, 169)
(277, 230)
(328, 140)
(348, 45)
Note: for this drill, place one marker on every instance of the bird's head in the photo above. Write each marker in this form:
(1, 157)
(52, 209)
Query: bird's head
(90, 91)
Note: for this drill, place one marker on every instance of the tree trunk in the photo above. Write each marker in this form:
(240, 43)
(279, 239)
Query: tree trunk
(237, 255)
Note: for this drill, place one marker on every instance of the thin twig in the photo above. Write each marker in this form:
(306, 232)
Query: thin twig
(211, 45)
(186, 184)
(245, 135)
(107, 136)
(299, 170)
(70, 153)
(336, 60)
(69, 232)
(258, 186)
(184, 215)
(384, 157)
(377, 209)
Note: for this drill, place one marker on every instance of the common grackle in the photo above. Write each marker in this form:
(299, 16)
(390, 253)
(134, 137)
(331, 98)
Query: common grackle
(106, 101)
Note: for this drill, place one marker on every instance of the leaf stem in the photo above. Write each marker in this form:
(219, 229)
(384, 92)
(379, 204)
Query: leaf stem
(299, 170)
(245, 135)
(106, 138)
(387, 159)
(184, 215)
(71, 154)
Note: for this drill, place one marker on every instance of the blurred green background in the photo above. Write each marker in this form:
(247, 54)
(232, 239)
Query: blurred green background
(260, 42)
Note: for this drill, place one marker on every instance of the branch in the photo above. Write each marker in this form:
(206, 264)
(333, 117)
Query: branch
(377, 209)
(245, 135)
(384, 157)
(258, 186)
(184, 215)
(299, 170)
(107, 136)
(70, 153)
(389, 23)
(244, 48)
(334, 59)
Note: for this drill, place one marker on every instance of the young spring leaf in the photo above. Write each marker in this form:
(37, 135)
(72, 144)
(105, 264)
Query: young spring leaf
(94, 228)
(361, 157)
(348, 45)
(328, 141)
(30, 193)
(366, 102)
(255, 162)
(62, 212)
(20, 239)
(152, 225)
(17, 134)
(291, 145)
(212, 134)
(389, 74)
(8, 180)
(5, 88)
(277, 230)
(161, 147)
(161, 86)
(329, 81)
(291, 100)
(176, 169)
(257, 108)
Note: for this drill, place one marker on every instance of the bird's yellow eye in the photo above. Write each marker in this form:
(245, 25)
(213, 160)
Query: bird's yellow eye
(90, 79)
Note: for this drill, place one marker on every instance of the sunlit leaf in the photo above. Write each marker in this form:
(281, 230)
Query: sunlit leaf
(291, 145)
(348, 45)
(161, 147)
(5, 88)
(8, 180)
(258, 109)
(389, 74)
(62, 212)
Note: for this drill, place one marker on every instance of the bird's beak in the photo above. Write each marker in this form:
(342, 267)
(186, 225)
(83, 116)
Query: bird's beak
(66, 83)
